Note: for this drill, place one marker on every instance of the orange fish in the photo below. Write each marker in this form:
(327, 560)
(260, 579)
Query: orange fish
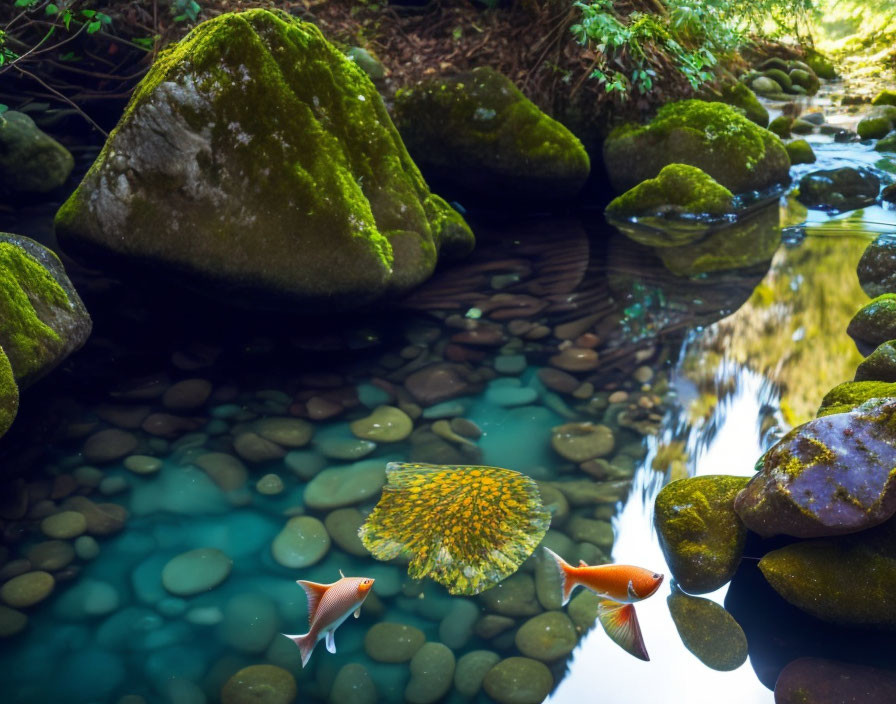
(620, 585)
(328, 606)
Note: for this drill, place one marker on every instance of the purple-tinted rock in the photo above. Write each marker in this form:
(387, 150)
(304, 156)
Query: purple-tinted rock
(830, 682)
(440, 382)
(831, 476)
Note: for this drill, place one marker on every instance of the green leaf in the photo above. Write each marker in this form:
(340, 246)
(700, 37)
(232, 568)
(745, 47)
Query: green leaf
(51, 9)
(67, 18)
(93, 27)
(25, 3)
(88, 13)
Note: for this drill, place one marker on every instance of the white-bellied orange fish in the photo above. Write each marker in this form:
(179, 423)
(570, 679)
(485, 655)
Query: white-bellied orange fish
(328, 606)
(621, 586)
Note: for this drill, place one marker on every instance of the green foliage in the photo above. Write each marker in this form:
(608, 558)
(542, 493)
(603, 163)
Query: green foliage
(690, 32)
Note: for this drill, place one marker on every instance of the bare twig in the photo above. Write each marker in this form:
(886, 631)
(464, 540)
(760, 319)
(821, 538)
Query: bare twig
(63, 97)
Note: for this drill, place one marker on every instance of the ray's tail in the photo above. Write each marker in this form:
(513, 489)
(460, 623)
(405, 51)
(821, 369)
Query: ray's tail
(565, 570)
(306, 643)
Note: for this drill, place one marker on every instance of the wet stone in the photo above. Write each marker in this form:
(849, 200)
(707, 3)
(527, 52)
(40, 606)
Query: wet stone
(286, 432)
(302, 542)
(250, 622)
(87, 598)
(304, 463)
(11, 622)
(515, 596)
(27, 589)
(579, 442)
(393, 642)
(102, 519)
(440, 382)
(196, 571)
(575, 359)
(432, 672)
(510, 363)
(65, 524)
(471, 669)
(51, 555)
(353, 685)
(385, 424)
(880, 365)
(86, 547)
(592, 531)
(557, 380)
(88, 476)
(491, 625)
(269, 485)
(343, 525)
(583, 608)
(456, 628)
(260, 684)
(821, 681)
(108, 445)
(187, 395)
(254, 448)
(336, 487)
(227, 471)
(142, 464)
(518, 681)
(548, 636)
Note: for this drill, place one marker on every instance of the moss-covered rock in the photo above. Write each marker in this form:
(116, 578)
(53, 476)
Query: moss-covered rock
(781, 126)
(30, 160)
(800, 152)
(477, 134)
(700, 534)
(780, 77)
(877, 267)
(711, 136)
(831, 476)
(42, 319)
(820, 681)
(874, 127)
(880, 365)
(885, 97)
(740, 96)
(9, 394)
(852, 394)
(840, 189)
(805, 79)
(747, 242)
(847, 580)
(708, 631)
(773, 62)
(799, 126)
(257, 163)
(763, 85)
(875, 322)
(678, 188)
(886, 144)
(821, 64)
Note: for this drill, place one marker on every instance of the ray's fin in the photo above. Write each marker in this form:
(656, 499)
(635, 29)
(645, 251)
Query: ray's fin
(314, 592)
(564, 569)
(331, 641)
(621, 624)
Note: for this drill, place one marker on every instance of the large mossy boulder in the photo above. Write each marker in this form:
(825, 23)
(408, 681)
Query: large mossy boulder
(740, 96)
(257, 163)
(820, 681)
(701, 535)
(838, 190)
(714, 137)
(800, 152)
(847, 580)
(831, 476)
(9, 394)
(479, 136)
(877, 123)
(677, 189)
(875, 322)
(885, 97)
(880, 365)
(852, 394)
(877, 267)
(821, 64)
(42, 319)
(30, 160)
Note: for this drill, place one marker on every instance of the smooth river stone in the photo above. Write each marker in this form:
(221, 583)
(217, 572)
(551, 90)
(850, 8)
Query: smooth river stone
(250, 622)
(254, 448)
(701, 535)
(708, 631)
(393, 642)
(343, 525)
(109, 445)
(27, 589)
(187, 394)
(829, 476)
(142, 464)
(456, 628)
(87, 598)
(227, 471)
(509, 396)
(11, 621)
(51, 555)
(353, 685)
(86, 547)
(575, 359)
(820, 681)
(432, 672)
(518, 681)
(102, 519)
(579, 442)
(439, 382)
(65, 524)
(470, 670)
(260, 684)
(548, 636)
(385, 424)
(592, 531)
(336, 487)
(288, 432)
(302, 542)
(515, 596)
(196, 571)
(269, 485)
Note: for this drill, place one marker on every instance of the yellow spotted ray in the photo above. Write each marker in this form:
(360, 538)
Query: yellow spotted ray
(467, 527)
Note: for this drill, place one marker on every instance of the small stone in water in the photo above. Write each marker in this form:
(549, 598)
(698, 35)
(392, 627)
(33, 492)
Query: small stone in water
(254, 448)
(88, 476)
(580, 442)
(260, 684)
(204, 615)
(470, 670)
(432, 672)
(113, 485)
(109, 445)
(353, 685)
(393, 642)
(305, 463)
(142, 464)
(302, 542)
(548, 636)
(343, 525)
(11, 621)
(187, 394)
(385, 424)
(51, 555)
(518, 681)
(510, 363)
(288, 432)
(643, 374)
(227, 471)
(27, 589)
(196, 571)
(65, 524)
(270, 485)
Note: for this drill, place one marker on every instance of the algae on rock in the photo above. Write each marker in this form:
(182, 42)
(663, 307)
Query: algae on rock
(9, 394)
(677, 187)
(480, 136)
(259, 163)
(30, 160)
(714, 137)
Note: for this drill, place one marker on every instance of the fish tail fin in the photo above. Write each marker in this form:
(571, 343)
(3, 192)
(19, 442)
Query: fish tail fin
(564, 569)
(306, 643)
(621, 623)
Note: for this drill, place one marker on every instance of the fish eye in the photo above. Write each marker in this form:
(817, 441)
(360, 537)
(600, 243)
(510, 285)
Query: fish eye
(655, 575)
(366, 581)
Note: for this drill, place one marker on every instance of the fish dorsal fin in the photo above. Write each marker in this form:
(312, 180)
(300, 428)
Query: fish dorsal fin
(314, 592)
(582, 563)
(341, 575)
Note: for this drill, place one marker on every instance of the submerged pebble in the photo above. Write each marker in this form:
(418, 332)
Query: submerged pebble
(196, 571)
(27, 589)
(302, 542)
(260, 684)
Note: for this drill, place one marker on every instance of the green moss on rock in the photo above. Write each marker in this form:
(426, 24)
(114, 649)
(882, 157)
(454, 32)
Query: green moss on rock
(477, 134)
(885, 97)
(821, 64)
(30, 160)
(779, 77)
(781, 126)
(874, 127)
(258, 163)
(684, 188)
(852, 394)
(886, 144)
(9, 394)
(708, 631)
(740, 96)
(700, 534)
(875, 322)
(847, 580)
(880, 365)
(713, 137)
(804, 79)
(800, 152)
